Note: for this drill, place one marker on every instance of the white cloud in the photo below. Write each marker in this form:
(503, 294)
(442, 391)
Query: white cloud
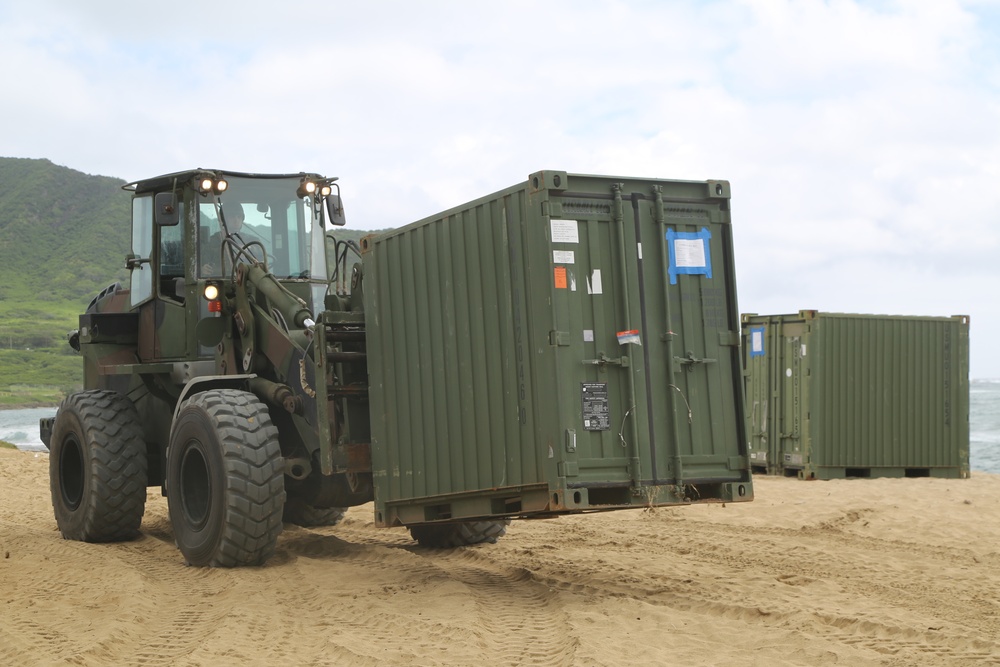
(860, 136)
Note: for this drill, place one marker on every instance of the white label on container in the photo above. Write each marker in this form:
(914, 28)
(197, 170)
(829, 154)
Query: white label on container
(563, 256)
(803, 349)
(565, 231)
(588, 335)
(594, 285)
(757, 341)
(690, 253)
(788, 372)
(572, 281)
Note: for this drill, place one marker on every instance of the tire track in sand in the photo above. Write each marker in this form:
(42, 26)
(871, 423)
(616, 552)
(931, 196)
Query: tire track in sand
(519, 620)
(705, 569)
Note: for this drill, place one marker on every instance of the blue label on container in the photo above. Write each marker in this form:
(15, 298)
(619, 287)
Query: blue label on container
(690, 253)
(756, 341)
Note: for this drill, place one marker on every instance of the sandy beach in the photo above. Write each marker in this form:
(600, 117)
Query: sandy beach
(852, 572)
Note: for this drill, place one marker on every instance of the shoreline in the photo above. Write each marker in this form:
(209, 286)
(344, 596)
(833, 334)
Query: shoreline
(31, 405)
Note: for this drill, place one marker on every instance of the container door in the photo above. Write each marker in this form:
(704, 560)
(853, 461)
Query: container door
(693, 327)
(791, 385)
(647, 324)
(758, 353)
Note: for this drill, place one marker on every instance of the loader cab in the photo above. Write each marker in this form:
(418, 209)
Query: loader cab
(189, 228)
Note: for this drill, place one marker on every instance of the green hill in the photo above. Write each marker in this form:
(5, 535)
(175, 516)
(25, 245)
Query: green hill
(64, 236)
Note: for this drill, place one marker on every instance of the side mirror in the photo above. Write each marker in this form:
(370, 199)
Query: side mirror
(165, 211)
(335, 210)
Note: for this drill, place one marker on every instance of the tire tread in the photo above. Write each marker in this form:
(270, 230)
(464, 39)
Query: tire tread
(113, 510)
(459, 534)
(254, 472)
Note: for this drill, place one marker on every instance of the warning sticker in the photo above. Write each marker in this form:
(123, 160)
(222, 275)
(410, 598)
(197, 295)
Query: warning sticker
(630, 337)
(560, 277)
(689, 253)
(563, 256)
(565, 231)
(596, 416)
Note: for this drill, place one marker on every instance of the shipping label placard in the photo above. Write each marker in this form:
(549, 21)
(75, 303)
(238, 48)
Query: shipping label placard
(559, 275)
(563, 257)
(756, 341)
(565, 231)
(690, 253)
(596, 416)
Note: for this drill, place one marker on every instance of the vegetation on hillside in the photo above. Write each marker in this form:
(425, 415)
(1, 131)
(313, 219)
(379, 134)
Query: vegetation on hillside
(63, 234)
(63, 237)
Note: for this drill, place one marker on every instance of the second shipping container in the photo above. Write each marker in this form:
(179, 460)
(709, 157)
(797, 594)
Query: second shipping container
(833, 395)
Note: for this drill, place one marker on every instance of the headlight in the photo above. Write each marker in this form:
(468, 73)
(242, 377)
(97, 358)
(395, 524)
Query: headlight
(216, 185)
(306, 188)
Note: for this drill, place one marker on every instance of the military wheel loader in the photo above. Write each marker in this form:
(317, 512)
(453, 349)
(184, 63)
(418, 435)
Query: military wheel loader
(209, 375)
(235, 370)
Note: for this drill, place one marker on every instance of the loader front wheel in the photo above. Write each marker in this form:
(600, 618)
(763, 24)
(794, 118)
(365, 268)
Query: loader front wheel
(225, 480)
(461, 534)
(97, 467)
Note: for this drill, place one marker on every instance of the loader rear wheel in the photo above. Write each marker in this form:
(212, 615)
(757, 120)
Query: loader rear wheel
(97, 467)
(305, 515)
(466, 533)
(225, 480)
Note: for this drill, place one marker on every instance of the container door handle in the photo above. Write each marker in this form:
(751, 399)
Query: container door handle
(690, 360)
(605, 360)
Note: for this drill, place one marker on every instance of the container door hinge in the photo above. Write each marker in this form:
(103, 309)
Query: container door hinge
(559, 338)
(552, 209)
(568, 468)
(738, 463)
(729, 338)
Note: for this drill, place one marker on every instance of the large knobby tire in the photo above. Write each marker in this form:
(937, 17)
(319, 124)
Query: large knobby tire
(97, 467)
(225, 480)
(462, 534)
(303, 514)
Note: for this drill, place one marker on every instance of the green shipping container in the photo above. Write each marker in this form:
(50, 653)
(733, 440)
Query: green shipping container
(567, 344)
(834, 395)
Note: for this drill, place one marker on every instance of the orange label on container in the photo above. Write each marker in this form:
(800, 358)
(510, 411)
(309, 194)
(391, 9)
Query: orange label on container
(561, 277)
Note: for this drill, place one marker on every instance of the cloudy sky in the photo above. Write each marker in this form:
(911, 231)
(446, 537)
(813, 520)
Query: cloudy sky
(862, 139)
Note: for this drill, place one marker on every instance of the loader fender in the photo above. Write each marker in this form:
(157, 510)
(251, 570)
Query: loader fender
(206, 382)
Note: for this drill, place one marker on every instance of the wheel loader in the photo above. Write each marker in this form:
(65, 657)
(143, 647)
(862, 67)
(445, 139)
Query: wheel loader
(235, 373)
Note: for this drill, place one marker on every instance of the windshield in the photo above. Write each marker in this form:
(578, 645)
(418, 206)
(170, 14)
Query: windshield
(268, 220)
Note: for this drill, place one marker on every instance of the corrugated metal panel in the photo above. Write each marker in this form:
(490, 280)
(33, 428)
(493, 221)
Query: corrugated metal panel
(446, 353)
(859, 395)
(546, 349)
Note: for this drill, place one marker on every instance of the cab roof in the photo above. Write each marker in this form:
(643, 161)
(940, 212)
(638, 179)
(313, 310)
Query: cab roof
(179, 178)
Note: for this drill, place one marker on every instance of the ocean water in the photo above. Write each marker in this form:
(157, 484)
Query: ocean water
(20, 427)
(984, 425)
